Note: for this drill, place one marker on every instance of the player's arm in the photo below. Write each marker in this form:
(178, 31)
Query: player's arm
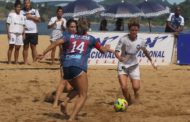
(53, 45)
(103, 49)
(23, 33)
(145, 51)
(168, 22)
(7, 25)
(50, 25)
(8, 34)
(180, 28)
(63, 25)
(50, 47)
(34, 18)
(118, 56)
(117, 51)
(169, 25)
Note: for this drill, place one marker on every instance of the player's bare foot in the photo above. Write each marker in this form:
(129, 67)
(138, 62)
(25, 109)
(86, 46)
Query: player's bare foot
(26, 63)
(137, 96)
(55, 105)
(129, 100)
(63, 108)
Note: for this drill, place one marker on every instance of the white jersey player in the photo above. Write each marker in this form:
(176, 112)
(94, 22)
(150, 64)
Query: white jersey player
(128, 66)
(58, 25)
(15, 31)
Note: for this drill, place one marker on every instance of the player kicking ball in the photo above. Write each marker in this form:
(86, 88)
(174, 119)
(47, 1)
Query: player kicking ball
(128, 67)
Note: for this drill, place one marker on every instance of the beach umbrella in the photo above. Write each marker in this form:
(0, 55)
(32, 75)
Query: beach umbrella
(80, 8)
(122, 10)
(152, 9)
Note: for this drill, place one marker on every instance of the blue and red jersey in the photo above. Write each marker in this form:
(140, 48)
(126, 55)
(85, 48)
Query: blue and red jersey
(76, 50)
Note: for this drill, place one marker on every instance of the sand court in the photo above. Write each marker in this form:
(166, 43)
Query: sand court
(164, 94)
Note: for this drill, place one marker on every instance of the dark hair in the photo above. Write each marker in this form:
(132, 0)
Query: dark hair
(133, 22)
(83, 26)
(103, 25)
(59, 8)
(71, 21)
(17, 2)
(24, 1)
(177, 8)
(119, 24)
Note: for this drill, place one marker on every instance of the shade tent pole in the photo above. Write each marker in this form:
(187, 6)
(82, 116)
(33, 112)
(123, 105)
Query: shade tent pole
(152, 9)
(149, 23)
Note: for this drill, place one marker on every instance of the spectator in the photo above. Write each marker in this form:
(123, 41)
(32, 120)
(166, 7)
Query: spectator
(15, 31)
(119, 25)
(32, 18)
(103, 25)
(58, 25)
(175, 22)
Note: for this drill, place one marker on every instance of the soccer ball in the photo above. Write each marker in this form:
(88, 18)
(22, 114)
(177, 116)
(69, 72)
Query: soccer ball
(120, 105)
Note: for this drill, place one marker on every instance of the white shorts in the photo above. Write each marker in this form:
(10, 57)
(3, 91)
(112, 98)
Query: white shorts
(16, 39)
(133, 71)
(55, 35)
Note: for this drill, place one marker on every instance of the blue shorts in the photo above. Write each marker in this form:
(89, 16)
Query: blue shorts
(71, 72)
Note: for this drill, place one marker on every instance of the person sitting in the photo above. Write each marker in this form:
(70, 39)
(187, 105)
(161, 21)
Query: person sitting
(119, 25)
(103, 25)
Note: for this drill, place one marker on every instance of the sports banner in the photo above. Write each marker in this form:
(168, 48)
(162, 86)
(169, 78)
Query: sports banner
(160, 47)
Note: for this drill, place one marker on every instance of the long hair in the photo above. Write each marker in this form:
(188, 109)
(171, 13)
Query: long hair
(83, 26)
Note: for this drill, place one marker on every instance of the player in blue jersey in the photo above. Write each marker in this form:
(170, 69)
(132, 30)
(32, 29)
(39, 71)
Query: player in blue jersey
(64, 85)
(76, 50)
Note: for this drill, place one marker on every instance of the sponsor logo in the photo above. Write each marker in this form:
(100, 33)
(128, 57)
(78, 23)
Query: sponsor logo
(95, 54)
(151, 43)
(107, 39)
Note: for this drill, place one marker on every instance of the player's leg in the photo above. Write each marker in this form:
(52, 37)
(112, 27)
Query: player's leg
(9, 52)
(33, 43)
(63, 86)
(123, 80)
(34, 52)
(25, 48)
(53, 55)
(16, 54)
(19, 42)
(134, 74)
(80, 83)
(136, 87)
(59, 90)
(69, 97)
(11, 47)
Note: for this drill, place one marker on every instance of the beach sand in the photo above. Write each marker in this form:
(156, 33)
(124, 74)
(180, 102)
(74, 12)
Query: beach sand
(164, 94)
